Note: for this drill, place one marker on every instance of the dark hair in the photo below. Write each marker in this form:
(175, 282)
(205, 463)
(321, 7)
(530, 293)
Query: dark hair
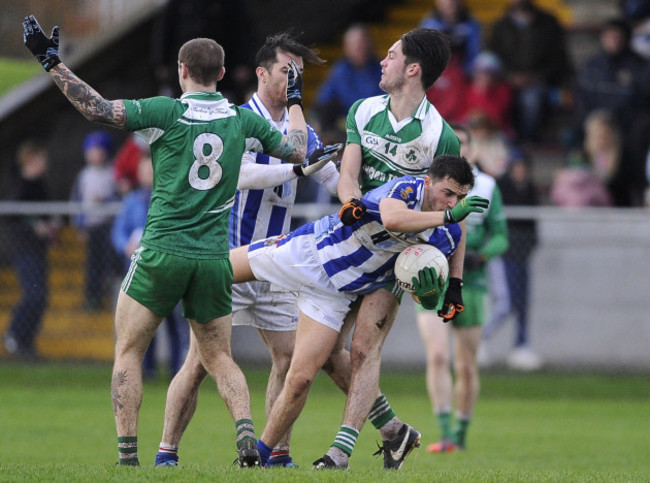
(285, 42)
(456, 167)
(429, 48)
(204, 59)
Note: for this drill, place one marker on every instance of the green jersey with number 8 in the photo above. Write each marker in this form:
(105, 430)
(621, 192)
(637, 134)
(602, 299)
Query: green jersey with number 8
(197, 143)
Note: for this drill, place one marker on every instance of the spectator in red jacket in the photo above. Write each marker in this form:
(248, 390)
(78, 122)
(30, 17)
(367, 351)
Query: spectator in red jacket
(490, 93)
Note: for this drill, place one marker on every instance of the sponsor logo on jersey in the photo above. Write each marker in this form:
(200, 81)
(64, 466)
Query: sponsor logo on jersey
(371, 140)
(393, 138)
(406, 192)
(274, 240)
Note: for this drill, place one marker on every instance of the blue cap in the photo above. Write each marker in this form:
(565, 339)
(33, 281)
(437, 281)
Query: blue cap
(98, 139)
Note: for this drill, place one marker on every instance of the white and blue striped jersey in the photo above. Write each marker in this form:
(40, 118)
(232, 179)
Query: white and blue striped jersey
(360, 258)
(260, 213)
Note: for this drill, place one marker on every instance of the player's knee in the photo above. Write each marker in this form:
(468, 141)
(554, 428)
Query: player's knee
(439, 359)
(361, 352)
(465, 371)
(297, 383)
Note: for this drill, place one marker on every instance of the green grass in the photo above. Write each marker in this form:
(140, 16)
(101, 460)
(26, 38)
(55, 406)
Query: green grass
(57, 425)
(15, 71)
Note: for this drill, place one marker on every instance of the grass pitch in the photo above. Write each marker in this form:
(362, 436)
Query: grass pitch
(57, 425)
(15, 71)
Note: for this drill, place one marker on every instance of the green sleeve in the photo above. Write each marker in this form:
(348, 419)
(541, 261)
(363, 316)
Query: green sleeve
(153, 112)
(497, 226)
(351, 124)
(449, 142)
(260, 135)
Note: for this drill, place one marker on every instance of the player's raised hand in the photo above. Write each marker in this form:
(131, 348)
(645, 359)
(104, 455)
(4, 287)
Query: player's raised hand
(294, 85)
(471, 204)
(316, 160)
(44, 48)
(428, 288)
(453, 304)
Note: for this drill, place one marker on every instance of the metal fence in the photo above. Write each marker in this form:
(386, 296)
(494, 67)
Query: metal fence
(63, 297)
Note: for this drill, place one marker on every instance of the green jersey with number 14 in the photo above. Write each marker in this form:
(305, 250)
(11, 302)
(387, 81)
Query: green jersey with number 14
(197, 143)
(392, 149)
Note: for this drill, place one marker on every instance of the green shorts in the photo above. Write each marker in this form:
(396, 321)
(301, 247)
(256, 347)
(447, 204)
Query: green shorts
(159, 280)
(473, 299)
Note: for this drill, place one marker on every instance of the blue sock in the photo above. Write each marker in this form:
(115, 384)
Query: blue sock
(280, 458)
(265, 452)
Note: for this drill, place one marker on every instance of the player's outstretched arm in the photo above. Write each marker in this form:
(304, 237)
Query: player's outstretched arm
(88, 101)
(83, 97)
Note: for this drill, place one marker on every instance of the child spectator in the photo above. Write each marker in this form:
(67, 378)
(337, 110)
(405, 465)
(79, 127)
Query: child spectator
(93, 187)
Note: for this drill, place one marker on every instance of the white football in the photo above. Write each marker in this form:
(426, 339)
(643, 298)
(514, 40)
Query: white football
(415, 258)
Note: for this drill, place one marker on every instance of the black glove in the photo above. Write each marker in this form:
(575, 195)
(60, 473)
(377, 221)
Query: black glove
(472, 204)
(294, 85)
(453, 304)
(46, 50)
(316, 160)
(428, 288)
(352, 211)
(473, 260)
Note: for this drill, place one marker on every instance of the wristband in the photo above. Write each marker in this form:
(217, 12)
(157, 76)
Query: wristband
(298, 171)
(292, 101)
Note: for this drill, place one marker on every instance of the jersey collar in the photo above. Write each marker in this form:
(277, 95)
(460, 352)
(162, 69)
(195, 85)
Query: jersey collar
(201, 94)
(423, 108)
(258, 106)
(420, 112)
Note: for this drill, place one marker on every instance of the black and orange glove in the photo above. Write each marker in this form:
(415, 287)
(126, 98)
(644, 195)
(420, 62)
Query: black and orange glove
(352, 211)
(453, 303)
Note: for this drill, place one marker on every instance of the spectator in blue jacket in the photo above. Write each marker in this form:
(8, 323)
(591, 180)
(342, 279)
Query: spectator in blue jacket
(355, 76)
(454, 18)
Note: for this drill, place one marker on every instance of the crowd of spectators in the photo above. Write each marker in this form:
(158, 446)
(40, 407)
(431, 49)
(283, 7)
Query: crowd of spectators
(504, 81)
(515, 84)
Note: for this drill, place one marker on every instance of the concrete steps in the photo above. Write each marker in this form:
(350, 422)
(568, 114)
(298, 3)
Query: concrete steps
(68, 332)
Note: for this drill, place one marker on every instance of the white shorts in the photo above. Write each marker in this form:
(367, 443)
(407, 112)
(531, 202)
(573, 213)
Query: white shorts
(294, 266)
(256, 305)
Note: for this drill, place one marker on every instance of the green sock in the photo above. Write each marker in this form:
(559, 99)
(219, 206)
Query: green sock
(245, 432)
(444, 421)
(345, 439)
(461, 432)
(381, 412)
(127, 450)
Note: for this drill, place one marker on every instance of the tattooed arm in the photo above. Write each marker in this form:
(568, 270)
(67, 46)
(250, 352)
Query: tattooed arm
(293, 147)
(86, 99)
(83, 97)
